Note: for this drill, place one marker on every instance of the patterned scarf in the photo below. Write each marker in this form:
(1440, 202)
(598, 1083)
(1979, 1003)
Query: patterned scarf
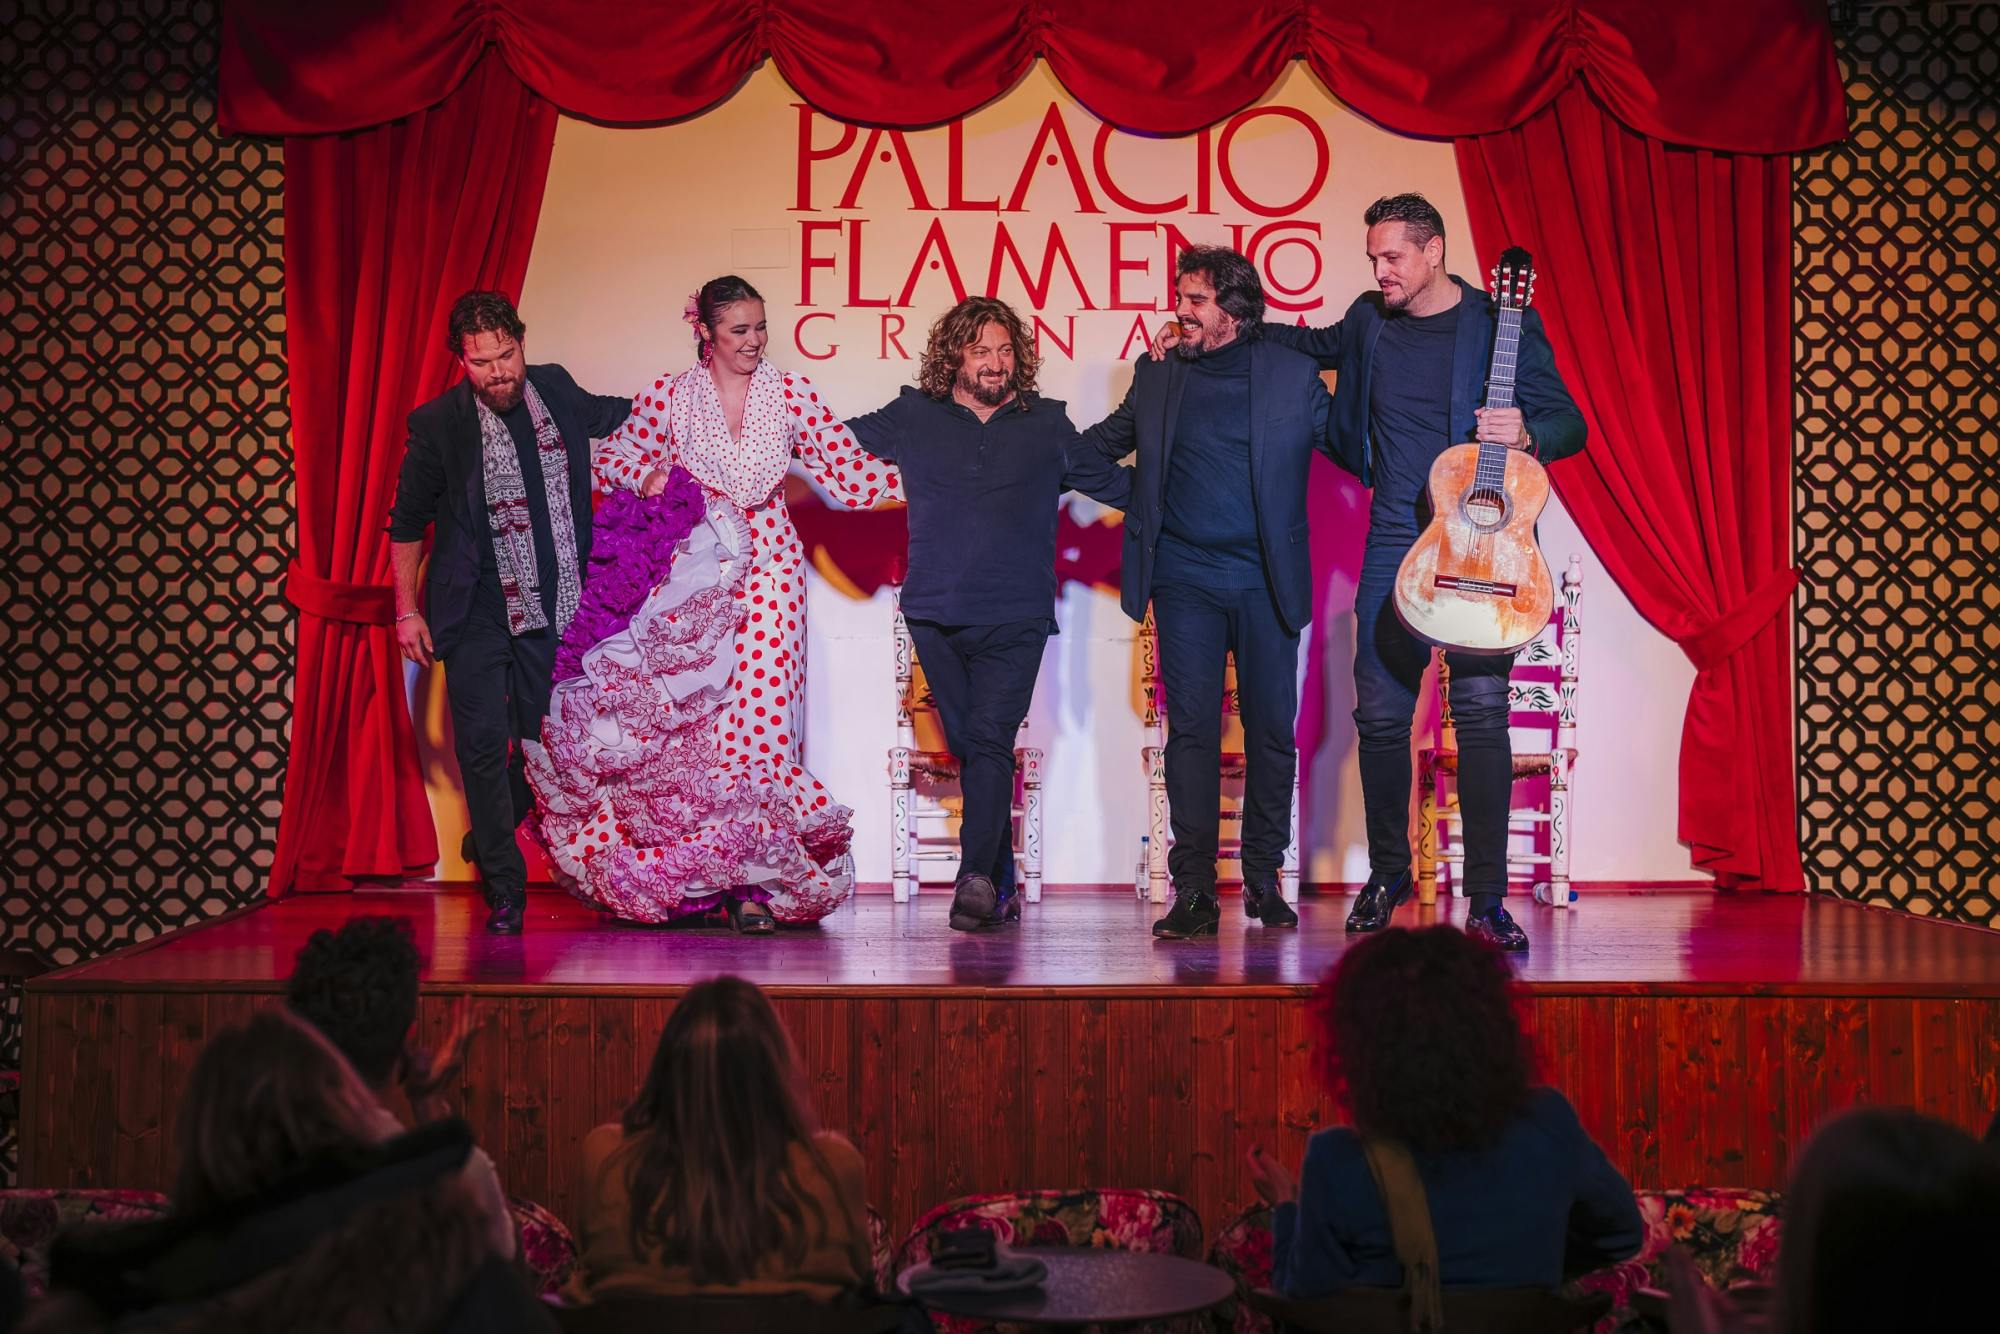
(513, 531)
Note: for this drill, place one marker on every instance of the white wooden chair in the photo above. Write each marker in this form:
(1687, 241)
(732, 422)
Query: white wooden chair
(1541, 695)
(923, 787)
(1154, 755)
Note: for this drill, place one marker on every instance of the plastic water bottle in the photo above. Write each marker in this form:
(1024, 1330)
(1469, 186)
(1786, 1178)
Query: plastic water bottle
(1142, 883)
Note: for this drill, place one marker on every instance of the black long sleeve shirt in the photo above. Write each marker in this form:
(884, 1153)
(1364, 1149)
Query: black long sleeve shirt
(983, 501)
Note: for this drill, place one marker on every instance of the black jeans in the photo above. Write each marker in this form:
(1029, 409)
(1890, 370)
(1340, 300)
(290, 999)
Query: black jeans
(983, 679)
(1389, 665)
(498, 686)
(1199, 627)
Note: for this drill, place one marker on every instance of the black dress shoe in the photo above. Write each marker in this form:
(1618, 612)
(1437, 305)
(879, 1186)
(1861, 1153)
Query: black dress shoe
(1266, 904)
(1195, 913)
(507, 917)
(973, 900)
(1498, 929)
(1378, 900)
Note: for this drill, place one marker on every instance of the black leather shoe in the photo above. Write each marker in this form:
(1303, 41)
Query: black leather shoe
(1498, 929)
(973, 900)
(1195, 913)
(1378, 900)
(507, 917)
(1266, 904)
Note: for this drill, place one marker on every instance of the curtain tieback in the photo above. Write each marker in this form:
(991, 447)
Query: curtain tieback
(1712, 645)
(332, 600)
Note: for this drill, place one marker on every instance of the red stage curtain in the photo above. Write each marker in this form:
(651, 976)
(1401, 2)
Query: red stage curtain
(1717, 73)
(1667, 290)
(383, 230)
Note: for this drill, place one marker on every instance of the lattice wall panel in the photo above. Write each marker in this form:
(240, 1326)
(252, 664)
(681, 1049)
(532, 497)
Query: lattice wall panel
(145, 503)
(1897, 299)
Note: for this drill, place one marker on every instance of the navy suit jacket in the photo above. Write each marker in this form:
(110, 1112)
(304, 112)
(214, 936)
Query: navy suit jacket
(443, 482)
(1349, 348)
(1292, 416)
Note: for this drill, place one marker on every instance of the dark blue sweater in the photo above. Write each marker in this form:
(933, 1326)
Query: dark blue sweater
(1506, 1217)
(1208, 534)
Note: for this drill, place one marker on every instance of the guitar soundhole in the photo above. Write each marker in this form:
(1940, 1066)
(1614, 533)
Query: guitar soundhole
(1485, 507)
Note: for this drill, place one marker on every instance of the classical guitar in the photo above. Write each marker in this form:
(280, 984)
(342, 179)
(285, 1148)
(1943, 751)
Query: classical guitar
(1475, 581)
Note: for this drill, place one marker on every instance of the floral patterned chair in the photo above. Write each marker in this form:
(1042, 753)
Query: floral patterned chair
(1732, 1234)
(879, 1249)
(1151, 1221)
(548, 1249)
(1242, 1250)
(30, 1219)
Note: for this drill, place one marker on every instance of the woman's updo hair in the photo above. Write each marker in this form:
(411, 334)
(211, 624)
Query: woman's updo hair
(709, 302)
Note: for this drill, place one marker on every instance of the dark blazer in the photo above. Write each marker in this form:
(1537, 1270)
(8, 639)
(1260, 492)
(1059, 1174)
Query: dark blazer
(1349, 348)
(1542, 1203)
(1293, 416)
(444, 483)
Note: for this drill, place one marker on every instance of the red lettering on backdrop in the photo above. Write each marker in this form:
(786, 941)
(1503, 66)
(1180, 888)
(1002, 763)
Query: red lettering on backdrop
(889, 338)
(955, 166)
(901, 153)
(1100, 159)
(799, 342)
(1054, 132)
(808, 261)
(1068, 349)
(808, 155)
(1276, 294)
(854, 297)
(1119, 264)
(1038, 287)
(934, 239)
(1138, 336)
(1321, 160)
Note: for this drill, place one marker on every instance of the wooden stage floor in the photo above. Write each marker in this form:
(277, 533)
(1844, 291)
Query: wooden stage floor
(1700, 1035)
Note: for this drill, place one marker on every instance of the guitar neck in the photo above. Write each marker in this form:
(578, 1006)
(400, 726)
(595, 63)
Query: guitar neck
(1506, 349)
(1492, 469)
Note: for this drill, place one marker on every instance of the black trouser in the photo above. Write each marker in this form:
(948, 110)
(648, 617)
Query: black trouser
(498, 686)
(1389, 665)
(983, 679)
(1199, 628)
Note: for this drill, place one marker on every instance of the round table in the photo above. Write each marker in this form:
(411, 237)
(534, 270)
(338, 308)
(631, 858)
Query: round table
(1087, 1286)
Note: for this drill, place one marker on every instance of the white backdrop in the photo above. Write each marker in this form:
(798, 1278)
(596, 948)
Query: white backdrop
(853, 237)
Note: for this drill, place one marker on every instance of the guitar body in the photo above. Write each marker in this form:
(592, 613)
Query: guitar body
(1475, 581)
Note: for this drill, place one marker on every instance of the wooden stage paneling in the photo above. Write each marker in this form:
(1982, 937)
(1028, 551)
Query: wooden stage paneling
(1701, 1036)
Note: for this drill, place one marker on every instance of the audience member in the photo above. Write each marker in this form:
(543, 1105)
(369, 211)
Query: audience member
(716, 1180)
(358, 987)
(1891, 1220)
(299, 1207)
(1420, 1043)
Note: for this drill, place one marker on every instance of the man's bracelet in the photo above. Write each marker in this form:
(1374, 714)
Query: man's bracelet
(405, 616)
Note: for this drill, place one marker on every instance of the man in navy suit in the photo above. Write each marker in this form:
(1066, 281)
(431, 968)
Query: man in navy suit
(500, 463)
(1215, 540)
(1412, 359)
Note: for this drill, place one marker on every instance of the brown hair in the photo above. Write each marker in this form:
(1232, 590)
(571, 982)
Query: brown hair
(264, 1098)
(711, 1135)
(958, 329)
(1420, 1041)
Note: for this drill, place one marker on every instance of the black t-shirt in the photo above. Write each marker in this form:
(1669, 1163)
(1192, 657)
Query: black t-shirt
(521, 425)
(1409, 414)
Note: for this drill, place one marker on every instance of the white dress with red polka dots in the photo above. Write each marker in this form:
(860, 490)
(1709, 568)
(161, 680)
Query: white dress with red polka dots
(654, 810)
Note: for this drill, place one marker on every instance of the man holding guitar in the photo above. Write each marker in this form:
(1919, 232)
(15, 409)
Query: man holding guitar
(1413, 366)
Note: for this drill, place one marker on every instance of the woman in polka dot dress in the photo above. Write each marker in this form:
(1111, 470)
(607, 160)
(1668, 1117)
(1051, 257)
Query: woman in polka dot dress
(697, 800)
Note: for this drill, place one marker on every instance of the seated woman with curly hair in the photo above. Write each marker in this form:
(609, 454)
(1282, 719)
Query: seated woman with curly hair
(1420, 1045)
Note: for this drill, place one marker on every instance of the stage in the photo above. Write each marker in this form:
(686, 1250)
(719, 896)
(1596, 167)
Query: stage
(1700, 1035)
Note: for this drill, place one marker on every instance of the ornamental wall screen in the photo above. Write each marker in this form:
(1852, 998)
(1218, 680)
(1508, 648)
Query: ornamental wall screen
(1897, 477)
(146, 504)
